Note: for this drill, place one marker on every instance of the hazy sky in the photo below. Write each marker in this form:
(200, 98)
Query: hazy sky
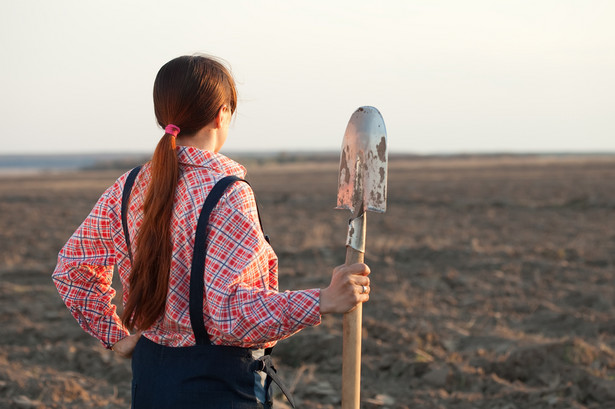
(447, 75)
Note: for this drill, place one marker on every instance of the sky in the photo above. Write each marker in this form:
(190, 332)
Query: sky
(448, 76)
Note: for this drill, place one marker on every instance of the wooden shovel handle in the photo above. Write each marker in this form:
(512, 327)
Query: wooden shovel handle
(351, 353)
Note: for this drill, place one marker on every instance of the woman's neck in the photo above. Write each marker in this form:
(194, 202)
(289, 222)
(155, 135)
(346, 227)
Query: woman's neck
(206, 139)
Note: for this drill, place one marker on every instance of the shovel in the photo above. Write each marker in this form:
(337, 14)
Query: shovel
(362, 187)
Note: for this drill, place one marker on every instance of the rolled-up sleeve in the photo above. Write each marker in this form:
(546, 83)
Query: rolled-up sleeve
(84, 273)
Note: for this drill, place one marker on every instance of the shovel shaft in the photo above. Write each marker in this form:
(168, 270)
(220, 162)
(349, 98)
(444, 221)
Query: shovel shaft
(351, 353)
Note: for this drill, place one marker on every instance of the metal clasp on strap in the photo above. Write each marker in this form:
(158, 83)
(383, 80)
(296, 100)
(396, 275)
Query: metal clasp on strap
(266, 365)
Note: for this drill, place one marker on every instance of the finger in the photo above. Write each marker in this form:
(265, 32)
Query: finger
(363, 289)
(361, 298)
(359, 269)
(360, 280)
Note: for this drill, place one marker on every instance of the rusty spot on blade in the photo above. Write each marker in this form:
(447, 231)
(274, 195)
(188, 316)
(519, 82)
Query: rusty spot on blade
(382, 149)
(344, 172)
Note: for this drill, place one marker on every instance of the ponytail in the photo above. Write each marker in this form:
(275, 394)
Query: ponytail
(149, 280)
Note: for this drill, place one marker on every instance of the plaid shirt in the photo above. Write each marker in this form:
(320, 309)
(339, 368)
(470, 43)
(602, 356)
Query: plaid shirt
(242, 305)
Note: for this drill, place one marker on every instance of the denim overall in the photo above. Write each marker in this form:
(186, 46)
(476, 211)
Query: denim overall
(203, 375)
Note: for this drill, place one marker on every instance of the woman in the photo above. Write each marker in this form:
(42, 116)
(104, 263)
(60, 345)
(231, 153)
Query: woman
(202, 304)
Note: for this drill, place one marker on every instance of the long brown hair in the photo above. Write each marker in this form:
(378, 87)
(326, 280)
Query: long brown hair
(188, 92)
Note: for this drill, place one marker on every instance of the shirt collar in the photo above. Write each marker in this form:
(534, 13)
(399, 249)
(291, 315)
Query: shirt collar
(191, 156)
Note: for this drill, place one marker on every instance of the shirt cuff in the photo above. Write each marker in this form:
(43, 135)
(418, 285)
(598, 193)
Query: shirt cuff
(114, 333)
(312, 315)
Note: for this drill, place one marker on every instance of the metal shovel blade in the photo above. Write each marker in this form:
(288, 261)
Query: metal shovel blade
(363, 163)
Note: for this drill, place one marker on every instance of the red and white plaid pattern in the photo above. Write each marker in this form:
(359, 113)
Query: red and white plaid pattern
(242, 305)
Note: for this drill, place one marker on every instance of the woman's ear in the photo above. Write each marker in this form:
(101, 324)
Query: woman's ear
(223, 116)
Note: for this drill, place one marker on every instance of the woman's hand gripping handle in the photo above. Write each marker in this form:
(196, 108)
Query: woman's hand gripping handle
(349, 287)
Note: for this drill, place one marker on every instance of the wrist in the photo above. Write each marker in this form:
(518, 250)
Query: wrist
(324, 301)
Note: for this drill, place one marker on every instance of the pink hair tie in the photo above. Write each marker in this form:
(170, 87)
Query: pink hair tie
(172, 130)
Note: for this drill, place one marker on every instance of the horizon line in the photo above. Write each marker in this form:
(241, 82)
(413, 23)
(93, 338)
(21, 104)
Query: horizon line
(269, 153)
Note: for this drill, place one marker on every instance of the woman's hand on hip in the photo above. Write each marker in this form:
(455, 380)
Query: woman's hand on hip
(349, 287)
(126, 346)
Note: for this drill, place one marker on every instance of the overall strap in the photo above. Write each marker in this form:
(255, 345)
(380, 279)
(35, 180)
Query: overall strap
(198, 259)
(130, 181)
